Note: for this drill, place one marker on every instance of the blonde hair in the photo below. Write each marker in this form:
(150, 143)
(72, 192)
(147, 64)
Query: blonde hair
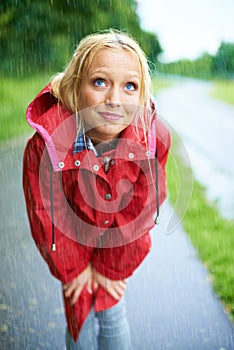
(66, 85)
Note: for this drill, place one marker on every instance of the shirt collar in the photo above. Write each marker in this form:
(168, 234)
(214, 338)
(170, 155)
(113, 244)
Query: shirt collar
(82, 143)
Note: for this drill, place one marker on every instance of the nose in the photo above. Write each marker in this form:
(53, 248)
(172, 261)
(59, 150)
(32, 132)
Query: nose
(113, 97)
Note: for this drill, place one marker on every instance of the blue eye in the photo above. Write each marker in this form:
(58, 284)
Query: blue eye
(130, 86)
(99, 82)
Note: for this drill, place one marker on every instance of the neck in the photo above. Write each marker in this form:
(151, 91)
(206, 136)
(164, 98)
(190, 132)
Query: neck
(103, 146)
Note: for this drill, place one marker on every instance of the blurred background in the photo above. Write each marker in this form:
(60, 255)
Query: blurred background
(190, 48)
(37, 39)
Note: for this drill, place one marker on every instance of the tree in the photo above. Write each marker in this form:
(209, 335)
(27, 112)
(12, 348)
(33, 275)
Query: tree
(42, 34)
(224, 59)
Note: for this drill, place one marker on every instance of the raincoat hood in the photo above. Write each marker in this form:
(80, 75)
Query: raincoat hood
(53, 123)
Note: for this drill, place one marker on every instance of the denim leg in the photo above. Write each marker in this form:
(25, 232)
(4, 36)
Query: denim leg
(114, 332)
(88, 336)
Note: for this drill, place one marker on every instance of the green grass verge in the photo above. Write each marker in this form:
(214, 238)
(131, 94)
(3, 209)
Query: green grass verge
(211, 235)
(159, 83)
(223, 91)
(15, 95)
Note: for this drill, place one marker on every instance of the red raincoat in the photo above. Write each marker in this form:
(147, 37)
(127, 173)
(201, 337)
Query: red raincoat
(90, 214)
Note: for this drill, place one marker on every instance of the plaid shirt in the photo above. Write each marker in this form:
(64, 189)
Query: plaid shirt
(83, 142)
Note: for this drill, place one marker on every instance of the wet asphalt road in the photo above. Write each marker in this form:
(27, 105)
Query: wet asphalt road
(170, 302)
(206, 129)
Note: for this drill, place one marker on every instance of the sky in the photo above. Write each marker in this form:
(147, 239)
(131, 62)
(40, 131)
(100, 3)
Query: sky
(188, 28)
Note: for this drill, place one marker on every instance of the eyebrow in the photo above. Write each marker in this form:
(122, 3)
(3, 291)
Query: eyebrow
(134, 75)
(130, 75)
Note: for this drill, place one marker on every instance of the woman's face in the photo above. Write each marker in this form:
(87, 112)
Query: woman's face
(110, 94)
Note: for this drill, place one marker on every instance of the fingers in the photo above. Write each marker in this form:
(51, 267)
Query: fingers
(76, 295)
(95, 285)
(73, 289)
(91, 280)
(90, 286)
(117, 289)
(69, 289)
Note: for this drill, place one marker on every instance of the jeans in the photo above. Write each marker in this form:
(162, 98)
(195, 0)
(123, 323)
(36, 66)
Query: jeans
(104, 330)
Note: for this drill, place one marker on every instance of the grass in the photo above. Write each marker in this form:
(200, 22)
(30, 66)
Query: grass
(159, 83)
(15, 95)
(223, 90)
(211, 235)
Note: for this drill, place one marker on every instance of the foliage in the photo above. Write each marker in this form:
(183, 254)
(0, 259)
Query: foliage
(206, 67)
(224, 60)
(41, 34)
(159, 83)
(15, 95)
(223, 90)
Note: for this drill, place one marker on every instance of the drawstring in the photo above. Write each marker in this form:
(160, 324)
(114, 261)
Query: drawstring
(152, 141)
(157, 197)
(53, 246)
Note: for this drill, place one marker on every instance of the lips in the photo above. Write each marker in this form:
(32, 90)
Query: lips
(111, 117)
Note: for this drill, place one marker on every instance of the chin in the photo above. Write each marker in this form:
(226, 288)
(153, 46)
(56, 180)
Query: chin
(107, 132)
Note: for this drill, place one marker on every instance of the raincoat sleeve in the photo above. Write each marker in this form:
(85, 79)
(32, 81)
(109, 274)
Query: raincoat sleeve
(70, 258)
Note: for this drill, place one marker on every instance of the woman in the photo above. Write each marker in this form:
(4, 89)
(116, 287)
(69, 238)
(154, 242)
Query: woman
(94, 176)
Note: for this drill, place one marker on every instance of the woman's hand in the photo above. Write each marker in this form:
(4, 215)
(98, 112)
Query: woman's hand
(91, 278)
(74, 288)
(115, 288)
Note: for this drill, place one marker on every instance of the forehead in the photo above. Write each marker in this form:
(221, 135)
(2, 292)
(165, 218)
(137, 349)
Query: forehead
(115, 59)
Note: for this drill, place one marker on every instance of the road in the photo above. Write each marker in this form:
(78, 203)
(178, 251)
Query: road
(206, 129)
(170, 301)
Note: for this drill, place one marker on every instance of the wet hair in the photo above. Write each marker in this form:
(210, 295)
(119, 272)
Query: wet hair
(66, 85)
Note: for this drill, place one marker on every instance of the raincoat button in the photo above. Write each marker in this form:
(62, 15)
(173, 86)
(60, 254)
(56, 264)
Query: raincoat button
(112, 162)
(96, 167)
(108, 196)
(61, 165)
(131, 155)
(77, 163)
(106, 222)
(147, 153)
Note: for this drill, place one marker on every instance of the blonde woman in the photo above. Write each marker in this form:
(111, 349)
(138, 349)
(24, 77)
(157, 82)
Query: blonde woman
(94, 178)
